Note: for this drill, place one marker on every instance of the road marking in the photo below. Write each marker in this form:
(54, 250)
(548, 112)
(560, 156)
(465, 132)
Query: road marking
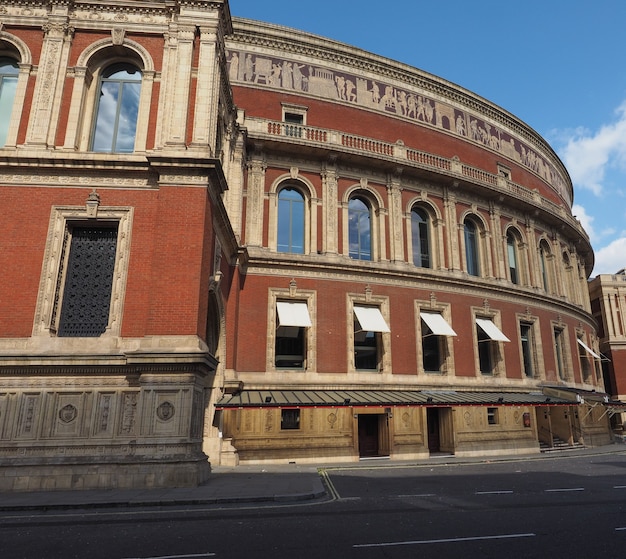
(192, 556)
(419, 495)
(564, 490)
(493, 493)
(619, 487)
(447, 540)
(620, 529)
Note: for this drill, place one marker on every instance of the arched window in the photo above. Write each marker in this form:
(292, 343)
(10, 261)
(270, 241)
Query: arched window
(544, 255)
(290, 221)
(420, 233)
(360, 229)
(511, 252)
(8, 84)
(472, 254)
(118, 107)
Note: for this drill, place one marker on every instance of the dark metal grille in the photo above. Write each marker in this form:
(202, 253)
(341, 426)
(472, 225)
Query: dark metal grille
(88, 282)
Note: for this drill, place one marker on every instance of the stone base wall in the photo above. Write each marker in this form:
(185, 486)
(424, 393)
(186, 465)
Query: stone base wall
(146, 475)
(94, 431)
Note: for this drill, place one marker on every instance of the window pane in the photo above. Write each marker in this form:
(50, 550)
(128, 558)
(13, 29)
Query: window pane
(512, 255)
(431, 350)
(527, 349)
(471, 248)
(290, 221)
(8, 85)
(118, 107)
(359, 227)
(421, 238)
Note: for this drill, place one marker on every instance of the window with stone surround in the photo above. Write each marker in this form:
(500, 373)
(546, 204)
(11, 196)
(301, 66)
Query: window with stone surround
(84, 272)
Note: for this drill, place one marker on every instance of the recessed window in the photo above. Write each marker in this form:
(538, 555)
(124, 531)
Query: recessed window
(8, 84)
(511, 251)
(291, 334)
(117, 109)
(559, 351)
(420, 236)
(360, 229)
(472, 254)
(492, 416)
(290, 221)
(488, 336)
(89, 271)
(369, 325)
(435, 333)
(527, 344)
(544, 258)
(289, 419)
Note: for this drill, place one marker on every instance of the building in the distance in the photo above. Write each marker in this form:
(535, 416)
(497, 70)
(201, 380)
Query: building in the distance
(608, 305)
(227, 241)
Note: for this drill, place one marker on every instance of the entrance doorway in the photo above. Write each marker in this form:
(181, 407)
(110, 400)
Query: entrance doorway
(373, 435)
(433, 426)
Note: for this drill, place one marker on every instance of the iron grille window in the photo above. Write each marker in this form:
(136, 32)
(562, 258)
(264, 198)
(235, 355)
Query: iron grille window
(88, 282)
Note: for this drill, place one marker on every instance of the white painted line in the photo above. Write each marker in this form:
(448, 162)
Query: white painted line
(192, 556)
(448, 540)
(620, 529)
(564, 490)
(493, 493)
(619, 487)
(419, 495)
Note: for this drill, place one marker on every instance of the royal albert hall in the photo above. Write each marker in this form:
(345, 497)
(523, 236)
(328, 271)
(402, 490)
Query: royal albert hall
(315, 254)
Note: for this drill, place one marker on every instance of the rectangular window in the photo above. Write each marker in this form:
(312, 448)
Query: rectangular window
(585, 354)
(289, 419)
(559, 352)
(369, 325)
(488, 334)
(435, 330)
(527, 343)
(88, 280)
(292, 322)
(492, 416)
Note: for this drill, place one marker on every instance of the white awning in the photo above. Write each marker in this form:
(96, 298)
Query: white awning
(293, 314)
(371, 319)
(437, 324)
(588, 349)
(489, 328)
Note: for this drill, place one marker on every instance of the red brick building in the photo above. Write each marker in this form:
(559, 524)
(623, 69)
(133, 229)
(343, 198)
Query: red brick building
(229, 241)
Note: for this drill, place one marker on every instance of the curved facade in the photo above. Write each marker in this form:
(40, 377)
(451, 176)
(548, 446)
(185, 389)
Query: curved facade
(423, 242)
(229, 241)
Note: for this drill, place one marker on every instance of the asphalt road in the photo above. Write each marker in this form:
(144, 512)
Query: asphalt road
(567, 507)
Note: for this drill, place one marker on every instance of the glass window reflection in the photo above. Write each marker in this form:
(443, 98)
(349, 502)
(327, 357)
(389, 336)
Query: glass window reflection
(118, 107)
(420, 237)
(8, 84)
(360, 229)
(290, 221)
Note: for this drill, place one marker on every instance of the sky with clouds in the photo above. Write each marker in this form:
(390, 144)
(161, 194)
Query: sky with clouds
(555, 64)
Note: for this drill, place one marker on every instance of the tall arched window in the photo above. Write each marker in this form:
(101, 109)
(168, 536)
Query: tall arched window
(8, 84)
(511, 252)
(118, 106)
(420, 233)
(360, 229)
(544, 254)
(290, 221)
(472, 254)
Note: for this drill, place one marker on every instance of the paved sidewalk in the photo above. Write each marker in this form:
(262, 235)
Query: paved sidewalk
(279, 483)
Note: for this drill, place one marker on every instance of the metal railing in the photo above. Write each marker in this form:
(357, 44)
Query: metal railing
(322, 137)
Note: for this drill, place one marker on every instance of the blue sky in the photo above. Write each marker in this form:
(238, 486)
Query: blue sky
(556, 64)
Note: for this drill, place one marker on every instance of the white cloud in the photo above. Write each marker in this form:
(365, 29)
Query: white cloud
(585, 219)
(587, 156)
(611, 258)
